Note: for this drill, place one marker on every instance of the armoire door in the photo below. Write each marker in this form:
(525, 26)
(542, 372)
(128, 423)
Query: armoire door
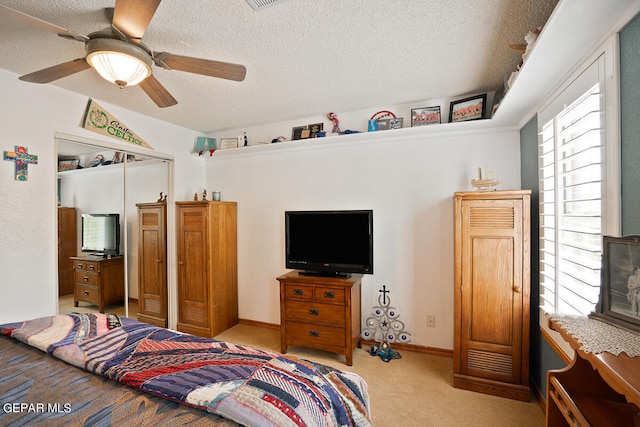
(492, 295)
(152, 257)
(193, 269)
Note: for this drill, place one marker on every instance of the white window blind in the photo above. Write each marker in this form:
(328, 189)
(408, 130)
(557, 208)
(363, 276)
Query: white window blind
(572, 174)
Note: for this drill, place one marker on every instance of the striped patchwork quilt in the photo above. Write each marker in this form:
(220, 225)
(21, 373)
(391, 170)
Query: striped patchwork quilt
(249, 386)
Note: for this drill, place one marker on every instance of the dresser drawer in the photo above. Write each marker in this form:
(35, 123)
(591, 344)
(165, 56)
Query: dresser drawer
(310, 335)
(85, 278)
(86, 265)
(87, 293)
(298, 291)
(334, 295)
(311, 311)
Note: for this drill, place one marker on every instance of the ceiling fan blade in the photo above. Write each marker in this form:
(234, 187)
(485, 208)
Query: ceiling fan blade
(132, 17)
(56, 72)
(158, 94)
(207, 67)
(37, 22)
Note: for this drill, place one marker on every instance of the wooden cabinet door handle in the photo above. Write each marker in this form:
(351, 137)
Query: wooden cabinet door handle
(517, 289)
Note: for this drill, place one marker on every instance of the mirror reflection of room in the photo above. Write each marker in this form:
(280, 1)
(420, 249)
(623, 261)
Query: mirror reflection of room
(105, 249)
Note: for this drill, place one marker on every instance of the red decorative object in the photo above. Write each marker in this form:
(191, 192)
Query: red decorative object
(383, 115)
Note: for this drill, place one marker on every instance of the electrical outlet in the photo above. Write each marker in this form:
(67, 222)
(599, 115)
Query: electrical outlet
(431, 321)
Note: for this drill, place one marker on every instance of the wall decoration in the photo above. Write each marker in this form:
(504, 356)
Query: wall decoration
(296, 132)
(336, 123)
(202, 144)
(226, 143)
(315, 129)
(382, 124)
(385, 328)
(619, 302)
(22, 159)
(395, 123)
(425, 116)
(99, 120)
(471, 108)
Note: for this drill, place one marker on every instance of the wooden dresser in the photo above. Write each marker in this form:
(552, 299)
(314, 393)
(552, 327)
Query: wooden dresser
(320, 312)
(152, 263)
(98, 281)
(491, 292)
(207, 267)
(594, 390)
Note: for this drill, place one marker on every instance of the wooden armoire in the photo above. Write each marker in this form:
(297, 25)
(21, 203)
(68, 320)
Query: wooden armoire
(207, 267)
(152, 263)
(67, 247)
(491, 295)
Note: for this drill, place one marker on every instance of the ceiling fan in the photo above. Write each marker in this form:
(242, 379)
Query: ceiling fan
(119, 56)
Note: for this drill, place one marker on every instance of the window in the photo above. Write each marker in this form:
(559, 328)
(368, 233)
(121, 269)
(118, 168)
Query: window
(572, 159)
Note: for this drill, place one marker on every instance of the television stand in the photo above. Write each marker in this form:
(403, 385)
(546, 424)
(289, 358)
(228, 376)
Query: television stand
(335, 274)
(320, 312)
(98, 281)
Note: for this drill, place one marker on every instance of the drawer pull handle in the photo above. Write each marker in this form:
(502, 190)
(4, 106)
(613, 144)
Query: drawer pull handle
(91, 267)
(85, 278)
(329, 294)
(314, 334)
(298, 292)
(314, 311)
(86, 292)
(80, 266)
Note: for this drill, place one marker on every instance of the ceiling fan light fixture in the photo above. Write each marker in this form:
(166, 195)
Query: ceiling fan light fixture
(119, 62)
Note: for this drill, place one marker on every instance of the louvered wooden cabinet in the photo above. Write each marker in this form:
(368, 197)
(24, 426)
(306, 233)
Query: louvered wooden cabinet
(207, 267)
(152, 263)
(491, 296)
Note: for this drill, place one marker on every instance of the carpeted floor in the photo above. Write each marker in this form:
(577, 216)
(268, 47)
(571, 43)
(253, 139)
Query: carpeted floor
(415, 390)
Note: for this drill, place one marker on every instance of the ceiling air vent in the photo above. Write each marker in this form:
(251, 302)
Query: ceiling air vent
(261, 4)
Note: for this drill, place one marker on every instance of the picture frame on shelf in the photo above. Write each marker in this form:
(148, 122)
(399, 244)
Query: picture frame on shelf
(315, 129)
(395, 123)
(425, 116)
(297, 132)
(383, 124)
(619, 302)
(471, 108)
(226, 143)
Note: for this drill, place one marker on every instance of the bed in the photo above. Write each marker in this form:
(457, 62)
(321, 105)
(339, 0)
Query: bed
(106, 370)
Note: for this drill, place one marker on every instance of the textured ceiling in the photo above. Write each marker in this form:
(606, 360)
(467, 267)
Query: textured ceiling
(303, 58)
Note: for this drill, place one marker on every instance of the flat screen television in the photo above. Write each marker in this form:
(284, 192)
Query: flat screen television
(329, 243)
(101, 234)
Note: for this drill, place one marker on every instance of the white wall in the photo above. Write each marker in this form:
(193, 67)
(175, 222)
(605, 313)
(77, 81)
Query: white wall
(406, 176)
(30, 114)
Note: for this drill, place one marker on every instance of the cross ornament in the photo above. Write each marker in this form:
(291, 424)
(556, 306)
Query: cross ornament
(384, 292)
(22, 159)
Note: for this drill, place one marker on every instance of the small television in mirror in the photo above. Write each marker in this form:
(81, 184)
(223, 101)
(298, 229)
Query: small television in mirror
(101, 234)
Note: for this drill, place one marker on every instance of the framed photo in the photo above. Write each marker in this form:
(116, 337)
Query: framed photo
(395, 123)
(383, 124)
(425, 116)
(620, 285)
(298, 131)
(315, 129)
(472, 108)
(228, 143)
